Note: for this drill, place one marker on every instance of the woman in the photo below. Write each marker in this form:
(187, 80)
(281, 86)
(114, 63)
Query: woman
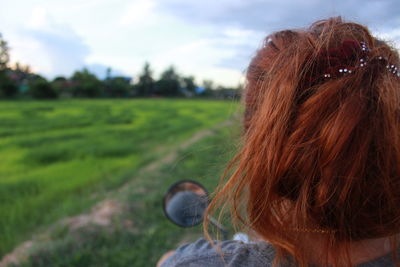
(317, 179)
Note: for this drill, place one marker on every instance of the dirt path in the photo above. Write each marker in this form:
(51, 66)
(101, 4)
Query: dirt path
(171, 157)
(103, 213)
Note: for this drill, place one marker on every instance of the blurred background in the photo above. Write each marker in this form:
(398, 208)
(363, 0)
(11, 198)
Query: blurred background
(105, 104)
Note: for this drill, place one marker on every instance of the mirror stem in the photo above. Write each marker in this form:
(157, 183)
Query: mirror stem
(219, 227)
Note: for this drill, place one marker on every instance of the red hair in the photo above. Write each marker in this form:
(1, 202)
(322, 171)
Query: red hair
(318, 154)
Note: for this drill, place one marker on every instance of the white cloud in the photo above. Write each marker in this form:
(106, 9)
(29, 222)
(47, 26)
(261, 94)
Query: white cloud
(391, 36)
(214, 39)
(39, 18)
(141, 11)
(26, 50)
(238, 33)
(49, 47)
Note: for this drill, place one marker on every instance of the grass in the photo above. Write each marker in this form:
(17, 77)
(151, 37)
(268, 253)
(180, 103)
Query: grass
(152, 234)
(60, 157)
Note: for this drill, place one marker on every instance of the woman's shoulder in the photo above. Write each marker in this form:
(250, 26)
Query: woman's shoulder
(225, 253)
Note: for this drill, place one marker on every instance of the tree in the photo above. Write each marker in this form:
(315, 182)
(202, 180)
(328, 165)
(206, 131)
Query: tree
(62, 86)
(40, 88)
(169, 83)
(208, 88)
(108, 73)
(86, 84)
(145, 85)
(4, 54)
(189, 85)
(119, 86)
(8, 87)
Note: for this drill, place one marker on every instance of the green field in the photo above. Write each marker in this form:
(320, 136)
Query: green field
(60, 157)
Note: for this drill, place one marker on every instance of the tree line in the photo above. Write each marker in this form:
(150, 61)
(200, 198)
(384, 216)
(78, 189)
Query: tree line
(20, 82)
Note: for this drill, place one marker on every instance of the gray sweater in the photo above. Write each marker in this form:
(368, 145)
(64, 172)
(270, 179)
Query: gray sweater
(236, 253)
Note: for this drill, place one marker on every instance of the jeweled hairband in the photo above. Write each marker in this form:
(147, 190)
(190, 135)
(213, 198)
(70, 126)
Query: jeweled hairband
(363, 62)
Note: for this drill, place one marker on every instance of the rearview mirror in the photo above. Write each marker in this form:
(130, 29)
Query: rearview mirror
(185, 203)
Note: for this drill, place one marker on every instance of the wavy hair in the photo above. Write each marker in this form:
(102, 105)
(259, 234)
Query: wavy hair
(318, 155)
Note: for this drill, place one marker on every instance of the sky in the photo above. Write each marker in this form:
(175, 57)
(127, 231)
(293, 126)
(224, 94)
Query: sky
(209, 39)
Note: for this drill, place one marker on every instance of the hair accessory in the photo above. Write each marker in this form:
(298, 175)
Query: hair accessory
(340, 61)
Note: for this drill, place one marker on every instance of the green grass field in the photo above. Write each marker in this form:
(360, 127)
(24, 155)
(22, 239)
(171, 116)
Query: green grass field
(60, 157)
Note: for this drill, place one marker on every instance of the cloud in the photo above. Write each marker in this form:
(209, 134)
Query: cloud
(203, 38)
(52, 48)
(62, 54)
(267, 15)
(239, 60)
(229, 49)
(137, 12)
(391, 36)
(241, 43)
(240, 25)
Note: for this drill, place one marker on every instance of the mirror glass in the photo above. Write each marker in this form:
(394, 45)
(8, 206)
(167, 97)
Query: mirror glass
(185, 203)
